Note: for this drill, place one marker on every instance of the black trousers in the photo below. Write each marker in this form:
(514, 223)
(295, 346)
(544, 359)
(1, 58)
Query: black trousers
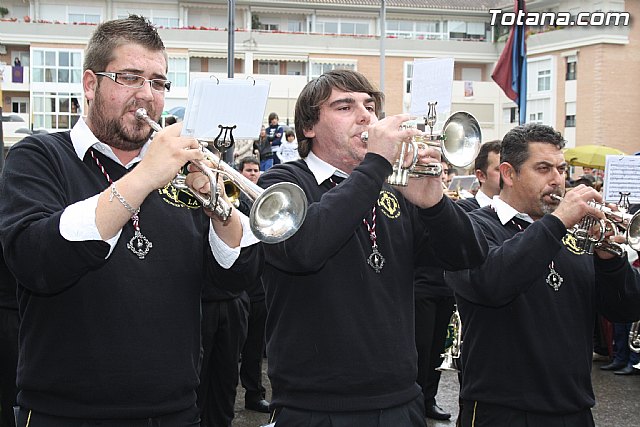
(8, 364)
(432, 318)
(479, 414)
(251, 364)
(187, 418)
(224, 329)
(408, 415)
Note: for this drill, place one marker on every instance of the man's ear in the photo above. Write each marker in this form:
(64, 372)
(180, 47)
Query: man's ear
(507, 173)
(309, 133)
(481, 176)
(89, 84)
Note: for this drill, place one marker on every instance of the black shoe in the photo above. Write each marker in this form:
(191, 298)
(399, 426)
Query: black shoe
(436, 413)
(627, 370)
(258, 406)
(613, 366)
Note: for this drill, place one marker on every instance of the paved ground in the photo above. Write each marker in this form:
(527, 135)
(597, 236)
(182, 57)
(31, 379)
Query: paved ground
(617, 401)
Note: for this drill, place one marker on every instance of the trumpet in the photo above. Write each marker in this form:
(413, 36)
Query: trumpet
(459, 144)
(277, 212)
(634, 338)
(590, 231)
(451, 361)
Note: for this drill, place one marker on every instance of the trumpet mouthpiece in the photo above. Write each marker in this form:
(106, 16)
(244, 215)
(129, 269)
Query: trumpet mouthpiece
(141, 113)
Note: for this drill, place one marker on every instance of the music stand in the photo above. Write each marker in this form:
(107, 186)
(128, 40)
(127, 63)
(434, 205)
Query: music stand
(225, 107)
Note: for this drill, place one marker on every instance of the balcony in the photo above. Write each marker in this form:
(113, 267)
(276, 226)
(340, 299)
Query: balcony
(14, 78)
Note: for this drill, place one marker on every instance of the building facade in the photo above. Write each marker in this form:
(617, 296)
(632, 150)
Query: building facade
(580, 79)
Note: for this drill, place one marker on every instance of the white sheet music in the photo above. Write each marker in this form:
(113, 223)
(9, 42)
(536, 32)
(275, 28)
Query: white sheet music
(622, 173)
(432, 81)
(225, 102)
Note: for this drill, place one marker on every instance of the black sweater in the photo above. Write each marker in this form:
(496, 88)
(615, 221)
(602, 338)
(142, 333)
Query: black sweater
(104, 338)
(340, 337)
(527, 346)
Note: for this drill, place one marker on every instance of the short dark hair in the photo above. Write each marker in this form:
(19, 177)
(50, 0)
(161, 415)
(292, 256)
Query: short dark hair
(482, 160)
(288, 133)
(247, 160)
(318, 90)
(112, 34)
(273, 116)
(515, 144)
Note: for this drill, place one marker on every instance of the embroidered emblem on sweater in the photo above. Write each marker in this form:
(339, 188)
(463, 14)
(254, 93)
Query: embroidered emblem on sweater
(178, 198)
(571, 243)
(388, 204)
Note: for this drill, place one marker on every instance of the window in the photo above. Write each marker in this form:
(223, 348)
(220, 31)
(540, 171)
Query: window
(268, 27)
(570, 115)
(570, 121)
(296, 68)
(22, 55)
(544, 80)
(535, 118)
(56, 110)
(269, 67)
(409, 77)
(462, 30)
(342, 27)
(319, 68)
(572, 69)
(420, 30)
(19, 106)
(178, 72)
(513, 115)
(295, 26)
(165, 22)
(51, 66)
(400, 29)
(88, 18)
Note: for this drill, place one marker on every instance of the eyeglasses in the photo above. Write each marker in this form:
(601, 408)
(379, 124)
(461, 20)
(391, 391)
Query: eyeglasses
(135, 81)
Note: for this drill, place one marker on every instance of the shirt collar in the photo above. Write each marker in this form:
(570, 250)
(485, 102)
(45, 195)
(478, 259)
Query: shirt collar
(482, 199)
(506, 213)
(83, 139)
(322, 170)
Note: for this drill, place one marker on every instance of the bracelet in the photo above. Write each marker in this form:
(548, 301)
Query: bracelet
(114, 192)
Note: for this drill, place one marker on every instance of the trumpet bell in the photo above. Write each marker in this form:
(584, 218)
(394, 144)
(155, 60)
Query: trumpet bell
(462, 139)
(633, 232)
(278, 212)
(449, 363)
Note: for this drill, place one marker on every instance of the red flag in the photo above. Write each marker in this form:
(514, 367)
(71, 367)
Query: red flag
(510, 72)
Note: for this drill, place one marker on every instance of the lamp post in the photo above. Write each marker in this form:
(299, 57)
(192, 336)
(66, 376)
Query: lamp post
(1, 121)
(383, 36)
(231, 33)
(231, 37)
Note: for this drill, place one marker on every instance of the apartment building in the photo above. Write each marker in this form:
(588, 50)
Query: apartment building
(578, 77)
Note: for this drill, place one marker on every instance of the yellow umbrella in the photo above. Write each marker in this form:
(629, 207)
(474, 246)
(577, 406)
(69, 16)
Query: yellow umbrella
(592, 156)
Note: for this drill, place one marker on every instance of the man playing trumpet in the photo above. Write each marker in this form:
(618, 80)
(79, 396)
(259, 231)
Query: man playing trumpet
(340, 324)
(528, 311)
(111, 259)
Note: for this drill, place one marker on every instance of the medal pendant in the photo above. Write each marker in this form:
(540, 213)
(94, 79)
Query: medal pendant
(554, 279)
(376, 260)
(139, 245)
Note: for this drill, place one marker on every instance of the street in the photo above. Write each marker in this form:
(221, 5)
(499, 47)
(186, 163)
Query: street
(617, 401)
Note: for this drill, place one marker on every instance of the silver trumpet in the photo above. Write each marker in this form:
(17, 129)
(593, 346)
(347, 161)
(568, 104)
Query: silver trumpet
(451, 355)
(459, 143)
(590, 231)
(634, 339)
(277, 212)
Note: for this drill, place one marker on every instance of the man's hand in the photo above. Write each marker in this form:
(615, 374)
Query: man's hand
(425, 191)
(575, 205)
(167, 154)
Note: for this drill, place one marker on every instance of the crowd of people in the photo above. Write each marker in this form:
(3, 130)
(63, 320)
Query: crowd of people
(136, 307)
